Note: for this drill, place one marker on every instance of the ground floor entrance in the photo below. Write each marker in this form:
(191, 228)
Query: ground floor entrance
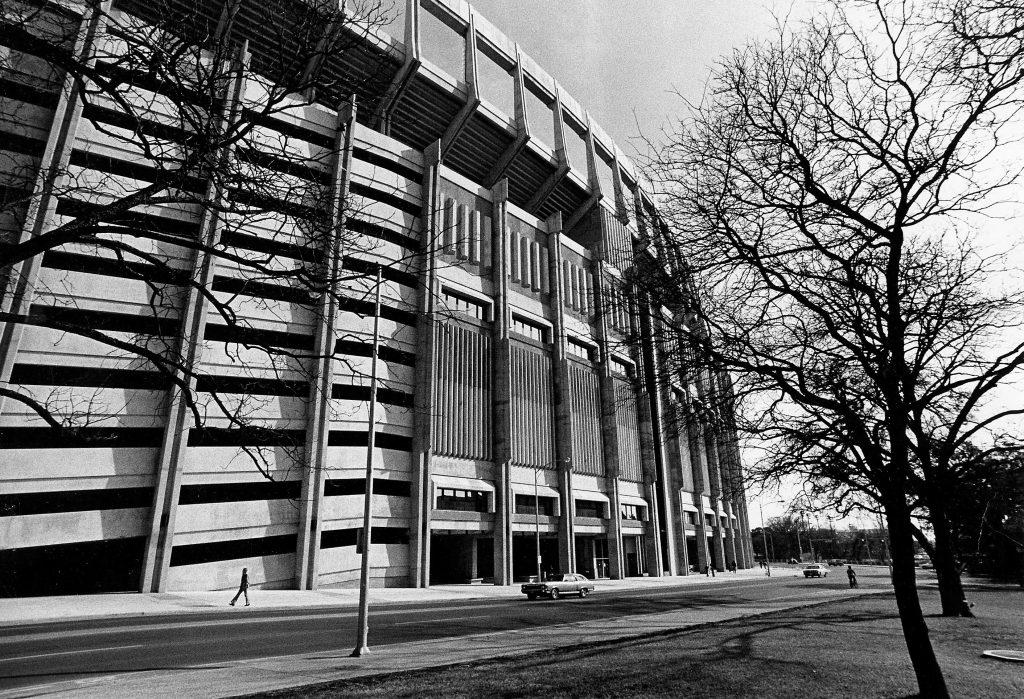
(633, 553)
(692, 554)
(461, 558)
(524, 556)
(592, 557)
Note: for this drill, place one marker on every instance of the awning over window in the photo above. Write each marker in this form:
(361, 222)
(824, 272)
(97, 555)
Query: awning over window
(632, 500)
(462, 483)
(591, 495)
(544, 491)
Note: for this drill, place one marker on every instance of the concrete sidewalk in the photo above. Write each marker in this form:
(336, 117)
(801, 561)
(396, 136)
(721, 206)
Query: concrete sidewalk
(32, 610)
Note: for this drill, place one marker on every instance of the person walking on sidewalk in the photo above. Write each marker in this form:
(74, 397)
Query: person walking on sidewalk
(852, 575)
(243, 588)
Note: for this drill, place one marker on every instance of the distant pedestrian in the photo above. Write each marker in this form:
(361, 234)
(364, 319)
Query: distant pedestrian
(852, 576)
(243, 588)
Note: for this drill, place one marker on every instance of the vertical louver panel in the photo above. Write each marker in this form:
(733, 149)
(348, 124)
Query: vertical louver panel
(532, 408)
(585, 401)
(628, 431)
(462, 402)
(618, 242)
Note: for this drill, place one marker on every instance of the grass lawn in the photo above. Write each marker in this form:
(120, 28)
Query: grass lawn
(850, 648)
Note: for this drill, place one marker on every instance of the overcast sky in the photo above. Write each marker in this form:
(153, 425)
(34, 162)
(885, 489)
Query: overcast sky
(622, 60)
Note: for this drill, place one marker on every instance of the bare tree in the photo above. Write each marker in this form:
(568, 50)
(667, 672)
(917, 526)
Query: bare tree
(820, 204)
(194, 164)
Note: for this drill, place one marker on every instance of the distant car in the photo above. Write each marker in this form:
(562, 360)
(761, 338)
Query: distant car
(816, 570)
(567, 584)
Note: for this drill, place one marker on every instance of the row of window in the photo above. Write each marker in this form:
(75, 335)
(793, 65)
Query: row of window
(709, 520)
(462, 500)
(463, 304)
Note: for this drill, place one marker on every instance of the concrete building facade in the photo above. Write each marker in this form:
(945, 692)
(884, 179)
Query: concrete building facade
(521, 407)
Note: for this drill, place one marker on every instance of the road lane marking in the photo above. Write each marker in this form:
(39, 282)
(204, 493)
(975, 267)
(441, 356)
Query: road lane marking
(450, 618)
(68, 652)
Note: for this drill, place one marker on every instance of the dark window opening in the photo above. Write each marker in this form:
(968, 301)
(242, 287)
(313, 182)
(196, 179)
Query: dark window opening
(461, 500)
(590, 508)
(634, 512)
(525, 505)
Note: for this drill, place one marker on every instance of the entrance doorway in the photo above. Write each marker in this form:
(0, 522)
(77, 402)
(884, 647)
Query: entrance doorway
(691, 553)
(592, 557)
(460, 558)
(524, 556)
(633, 550)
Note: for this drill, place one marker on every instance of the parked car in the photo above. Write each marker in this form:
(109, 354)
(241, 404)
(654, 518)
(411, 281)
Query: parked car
(816, 570)
(567, 584)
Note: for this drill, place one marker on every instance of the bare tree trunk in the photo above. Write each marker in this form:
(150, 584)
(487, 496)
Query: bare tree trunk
(930, 680)
(951, 591)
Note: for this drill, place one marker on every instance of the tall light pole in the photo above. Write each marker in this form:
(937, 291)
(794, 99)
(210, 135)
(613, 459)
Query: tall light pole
(764, 540)
(810, 538)
(799, 545)
(364, 576)
(536, 518)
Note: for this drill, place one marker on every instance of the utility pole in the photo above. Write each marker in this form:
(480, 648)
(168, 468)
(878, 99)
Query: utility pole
(364, 576)
(536, 519)
(810, 538)
(799, 546)
(764, 540)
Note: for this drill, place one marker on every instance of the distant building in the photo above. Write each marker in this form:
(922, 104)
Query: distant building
(520, 377)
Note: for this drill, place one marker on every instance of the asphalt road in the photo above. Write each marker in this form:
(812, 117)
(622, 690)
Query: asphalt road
(51, 652)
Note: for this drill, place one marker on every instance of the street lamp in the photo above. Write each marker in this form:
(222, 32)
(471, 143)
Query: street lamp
(536, 519)
(364, 574)
(764, 540)
(799, 545)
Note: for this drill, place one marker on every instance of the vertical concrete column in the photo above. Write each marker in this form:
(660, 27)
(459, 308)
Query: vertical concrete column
(522, 118)
(709, 397)
(734, 544)
(659, 552)
(318, 416)
(609, 426)
(426, 369)
(620, 188)
(406, 72)
(694, 439)
(502, 396)
(18, 289)
(171, 457)
(747, 540)
(671, 492)
(593, 179)
(472, 81)
(718, 535)
(561, 154)
(562, 393)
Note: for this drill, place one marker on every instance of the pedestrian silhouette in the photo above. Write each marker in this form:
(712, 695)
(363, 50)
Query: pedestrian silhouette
(852, 576)
(243, 588)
